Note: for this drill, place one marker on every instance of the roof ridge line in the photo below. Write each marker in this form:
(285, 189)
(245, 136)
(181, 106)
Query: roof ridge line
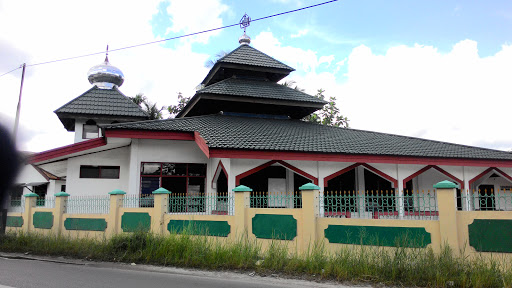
(55, 111)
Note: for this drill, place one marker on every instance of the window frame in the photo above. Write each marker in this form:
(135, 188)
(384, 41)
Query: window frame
(161, 175)
(99, 172)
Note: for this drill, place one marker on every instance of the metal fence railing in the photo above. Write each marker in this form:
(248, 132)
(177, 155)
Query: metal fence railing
(485, 200)
(379, 205)
(202, 204)
(88, 204)
(16, 204)
(138, 201)
(45, 202)
(276, 200)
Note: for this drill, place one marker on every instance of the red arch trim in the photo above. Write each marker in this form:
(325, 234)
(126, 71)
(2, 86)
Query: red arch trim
(219, 167)
(487, 171)
(265, 165)
(371, 168)
(428, 167)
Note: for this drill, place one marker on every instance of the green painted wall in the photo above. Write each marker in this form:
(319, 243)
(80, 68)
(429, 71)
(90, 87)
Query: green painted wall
(378, 236)
(85, 224)
(14, 221)
(280, 227)
(43, 220)
(199, 227)
(135, 221)
(489, 235)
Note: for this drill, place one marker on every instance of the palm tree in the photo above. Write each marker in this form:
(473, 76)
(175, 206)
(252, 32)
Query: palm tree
(290, 84)
(211, 62)
(153, 111)
(139, 99)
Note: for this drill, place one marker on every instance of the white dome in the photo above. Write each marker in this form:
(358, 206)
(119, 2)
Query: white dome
(105, 75)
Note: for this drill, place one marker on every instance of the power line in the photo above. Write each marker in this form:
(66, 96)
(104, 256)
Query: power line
(11, 71)
(172, 38)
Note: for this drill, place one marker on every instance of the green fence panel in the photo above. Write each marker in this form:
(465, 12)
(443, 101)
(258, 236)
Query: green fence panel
(43, 220)
(14, 221)
(489, 235)
(200, 227)
(135, 221)
(85, 224)
(269, 226)
(413, 237)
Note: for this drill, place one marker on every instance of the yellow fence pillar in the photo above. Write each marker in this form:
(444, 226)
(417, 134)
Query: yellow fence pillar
(242, 202)
(161, 206)
(60, 208)
(447, 205)
(30, 203)
(116, 200)
(310, 211)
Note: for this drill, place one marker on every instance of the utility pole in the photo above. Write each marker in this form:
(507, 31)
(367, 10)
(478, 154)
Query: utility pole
(17, 120)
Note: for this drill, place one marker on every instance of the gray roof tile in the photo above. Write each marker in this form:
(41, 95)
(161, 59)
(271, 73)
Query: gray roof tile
(96, 101)
(232, 132)
(247, 55)
(258, 89)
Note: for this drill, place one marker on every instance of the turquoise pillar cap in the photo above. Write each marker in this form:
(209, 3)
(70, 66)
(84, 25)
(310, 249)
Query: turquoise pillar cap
(446, 185)
(242, 188)
(31, 195)
(117, 192)
(309, 186)
(161, 190)
(61, 193)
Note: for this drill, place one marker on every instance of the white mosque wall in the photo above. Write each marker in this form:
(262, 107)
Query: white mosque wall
(76, 186)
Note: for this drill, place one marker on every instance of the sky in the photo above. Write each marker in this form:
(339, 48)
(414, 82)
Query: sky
(439, 70)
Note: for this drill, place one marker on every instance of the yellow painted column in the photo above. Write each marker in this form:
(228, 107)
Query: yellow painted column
(242, 203)
(447, 205)
(161, 207)
(60, 209)
(310, 210)
(116, 200)
(30, 203)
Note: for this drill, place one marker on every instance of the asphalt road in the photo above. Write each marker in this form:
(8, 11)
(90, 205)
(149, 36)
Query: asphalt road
(55, 272)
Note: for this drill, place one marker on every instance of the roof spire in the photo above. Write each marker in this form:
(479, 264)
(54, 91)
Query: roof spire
(106, 55)
(244, 23)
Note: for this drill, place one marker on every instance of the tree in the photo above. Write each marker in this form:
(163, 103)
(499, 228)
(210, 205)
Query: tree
(211, 62)
(290, 84)
(329, 115)
(154, 113)
(150, 108)
(176, 109)
(139, 99)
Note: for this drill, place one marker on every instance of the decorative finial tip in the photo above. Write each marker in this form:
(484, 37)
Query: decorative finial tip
(244, 39)
(106, 55)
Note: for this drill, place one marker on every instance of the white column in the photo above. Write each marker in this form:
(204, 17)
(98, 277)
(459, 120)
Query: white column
(134, 170)
(360, 187)
(400, 194)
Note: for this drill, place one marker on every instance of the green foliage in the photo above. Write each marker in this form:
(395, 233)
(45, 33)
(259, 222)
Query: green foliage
(212, 60)
(154, 112)
(329, 115)
(139, 99)
(384, 266)
(176, 109)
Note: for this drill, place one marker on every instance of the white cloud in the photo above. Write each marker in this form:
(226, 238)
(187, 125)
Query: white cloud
(456, 97)
(193, 16)
(50, 34)
(300, 33)
(415, 90)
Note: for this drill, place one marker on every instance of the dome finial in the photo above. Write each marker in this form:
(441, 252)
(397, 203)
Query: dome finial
(244, 23)
(105, 75)
(106, 55)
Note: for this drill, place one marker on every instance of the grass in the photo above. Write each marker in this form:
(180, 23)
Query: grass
(390, 266)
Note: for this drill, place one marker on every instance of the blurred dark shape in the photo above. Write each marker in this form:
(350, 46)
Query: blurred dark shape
(9, 166)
